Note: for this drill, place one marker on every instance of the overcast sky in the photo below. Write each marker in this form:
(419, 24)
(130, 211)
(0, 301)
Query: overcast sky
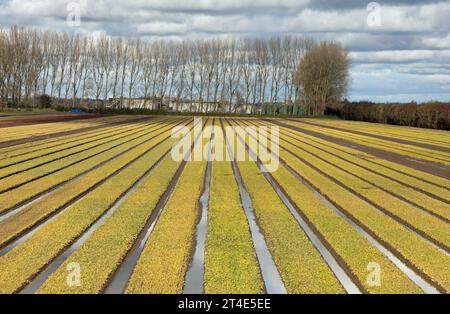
(403, 55)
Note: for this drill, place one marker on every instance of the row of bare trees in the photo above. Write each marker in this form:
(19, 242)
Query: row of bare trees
(71, 66)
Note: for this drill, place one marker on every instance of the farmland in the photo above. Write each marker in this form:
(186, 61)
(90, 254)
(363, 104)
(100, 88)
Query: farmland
(98, 204)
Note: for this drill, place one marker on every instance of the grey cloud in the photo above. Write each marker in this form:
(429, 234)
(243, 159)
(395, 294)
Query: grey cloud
(355, 4)
(386, 54)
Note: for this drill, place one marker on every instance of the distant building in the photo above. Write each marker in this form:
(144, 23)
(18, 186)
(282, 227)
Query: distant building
(173, 104)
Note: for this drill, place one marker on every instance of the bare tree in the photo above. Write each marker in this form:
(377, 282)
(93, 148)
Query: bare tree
(134, 65)
(322, 76)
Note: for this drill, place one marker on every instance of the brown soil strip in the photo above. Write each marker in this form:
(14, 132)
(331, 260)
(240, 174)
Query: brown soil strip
(355, 222)
(40, 194)
(425, 166)
(120, 277)
(382, 137)
(10, 244)
(64, 133)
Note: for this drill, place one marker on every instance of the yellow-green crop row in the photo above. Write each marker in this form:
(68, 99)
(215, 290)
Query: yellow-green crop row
(24, 131)
(42, 208)
(300, 265)
(427, 202)
(418, 198)
(59, 140)
(231, 265)
(421, 199)
(164, 261)
(422, 180)
(420, 253)
(48, 163)
(14, 132)
(413, 132)
(434, 138)
(414, 135)
(351, 246)
(348, 243)
(12, 198)
(354, 156)
(26, 260)
(83, 138)
(432, 226)
(403, 149)
(405, 173)
(103, 252)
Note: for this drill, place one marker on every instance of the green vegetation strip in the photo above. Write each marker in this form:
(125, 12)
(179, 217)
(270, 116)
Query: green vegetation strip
(348, 243)
(365, 161)
(427, 225)
(38, 211)
(413, 250)
(231, 265)
(23, 193)
(399, 132)
(164, 261)
(34, 153)
(403, 149)
(102, 253)
(408, 173)
(300, 265)
(46, 164)
(23, 263)
(53, 141)
(350, 165)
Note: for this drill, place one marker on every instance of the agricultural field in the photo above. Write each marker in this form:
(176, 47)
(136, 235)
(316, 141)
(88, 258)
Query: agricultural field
(99, 204)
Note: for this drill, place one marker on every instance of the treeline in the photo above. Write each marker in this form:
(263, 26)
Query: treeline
(72, 66)
(430, 115)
